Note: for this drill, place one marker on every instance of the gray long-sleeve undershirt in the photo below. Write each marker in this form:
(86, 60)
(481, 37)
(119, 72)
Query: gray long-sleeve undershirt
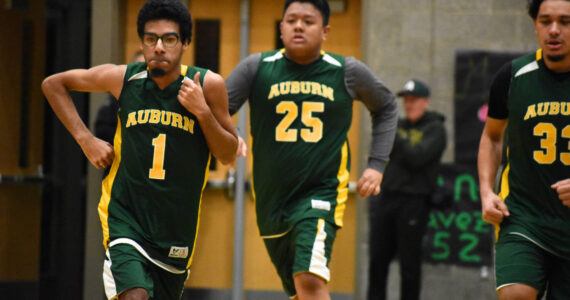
(360, 83)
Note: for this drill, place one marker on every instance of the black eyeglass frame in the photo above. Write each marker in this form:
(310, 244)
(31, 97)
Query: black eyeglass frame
(161, 38)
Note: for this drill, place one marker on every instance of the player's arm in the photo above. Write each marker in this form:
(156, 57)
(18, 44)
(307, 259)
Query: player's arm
(240, 80)
(210, 106)
(100, 78)
(491, 147)
(488, 161)
(362, 84)
(239, 87)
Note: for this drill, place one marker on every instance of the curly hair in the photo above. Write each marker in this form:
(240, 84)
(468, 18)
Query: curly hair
(534, 6)
(321, 5)
(172, 10)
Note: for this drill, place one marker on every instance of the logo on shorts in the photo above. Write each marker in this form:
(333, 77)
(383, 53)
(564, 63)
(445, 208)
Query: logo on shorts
(178, 252)
(320, 204)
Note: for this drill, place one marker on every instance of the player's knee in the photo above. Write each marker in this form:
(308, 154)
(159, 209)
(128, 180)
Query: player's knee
(309, 283)
(134, 294)
(517, 292)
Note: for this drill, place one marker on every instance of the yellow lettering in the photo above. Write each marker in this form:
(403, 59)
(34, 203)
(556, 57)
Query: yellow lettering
(143, 116)
(295, 88)
(305, 87)
(131, 120)
(177, 120)
(530, 112)
(188, 124)
(565, 109)
(328, 92)
(316, 88)
(554, 108)
(154, 116)
(285, 87)
(165, 117)
(274, 92)
(542, 108)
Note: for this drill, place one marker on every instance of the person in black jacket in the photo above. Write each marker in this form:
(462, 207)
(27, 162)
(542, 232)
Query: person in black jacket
(399, 214)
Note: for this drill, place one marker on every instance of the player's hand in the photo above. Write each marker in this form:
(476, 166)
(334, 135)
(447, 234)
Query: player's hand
(241, 148)
(562, 187)
(99, 153)
(369, 183)
(191, 95)
(493, 208)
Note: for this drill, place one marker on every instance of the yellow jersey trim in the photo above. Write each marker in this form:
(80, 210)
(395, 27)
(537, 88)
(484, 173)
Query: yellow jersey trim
(504, 189)
(253, 187)
(107, 185)
(342, 188)
(200, 210)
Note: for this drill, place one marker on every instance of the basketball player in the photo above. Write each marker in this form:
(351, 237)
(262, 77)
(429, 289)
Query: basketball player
(171, 118)
(529, 104)
(300, 100)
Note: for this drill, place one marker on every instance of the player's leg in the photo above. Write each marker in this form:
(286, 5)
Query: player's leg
(301, 258)
(125, 274)
(520, 268)
(411, 225)
(134, 294)
(517, 292)
(313, 240)
(282, 252)
(311, 287)
(382, 240)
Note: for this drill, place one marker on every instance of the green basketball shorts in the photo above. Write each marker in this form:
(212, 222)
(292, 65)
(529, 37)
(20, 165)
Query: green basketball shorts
(307, 247)
(520, 260)
(126, 268)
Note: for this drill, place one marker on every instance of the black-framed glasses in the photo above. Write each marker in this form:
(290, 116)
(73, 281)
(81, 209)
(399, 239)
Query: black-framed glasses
(169, 40)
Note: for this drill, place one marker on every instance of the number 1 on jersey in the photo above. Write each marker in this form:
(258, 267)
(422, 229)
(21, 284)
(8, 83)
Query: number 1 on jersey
(157, 171)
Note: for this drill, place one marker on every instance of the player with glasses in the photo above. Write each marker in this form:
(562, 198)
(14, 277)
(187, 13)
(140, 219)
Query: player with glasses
(172, 118)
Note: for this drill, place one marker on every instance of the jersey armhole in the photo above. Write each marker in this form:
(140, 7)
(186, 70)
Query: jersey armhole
(499, 93)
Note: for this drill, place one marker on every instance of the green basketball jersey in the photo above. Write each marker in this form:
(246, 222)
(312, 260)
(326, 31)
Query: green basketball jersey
(300, 116)
(538, 136)
(153, 191)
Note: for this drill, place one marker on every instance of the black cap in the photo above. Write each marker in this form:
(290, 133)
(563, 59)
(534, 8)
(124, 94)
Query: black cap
(414, 87)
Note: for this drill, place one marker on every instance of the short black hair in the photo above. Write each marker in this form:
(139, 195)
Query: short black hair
(321, 5)
(534, 6)
(172, 10)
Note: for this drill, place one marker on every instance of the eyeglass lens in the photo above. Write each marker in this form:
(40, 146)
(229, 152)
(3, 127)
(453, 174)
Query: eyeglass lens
(168, 39)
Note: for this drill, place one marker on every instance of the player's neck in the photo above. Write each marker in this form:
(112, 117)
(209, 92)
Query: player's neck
(562, 66)
(164, 81)
(304, 58)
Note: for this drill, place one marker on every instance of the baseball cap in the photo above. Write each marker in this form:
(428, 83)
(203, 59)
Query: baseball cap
(414, 87)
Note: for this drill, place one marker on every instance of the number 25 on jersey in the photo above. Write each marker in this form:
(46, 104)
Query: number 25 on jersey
(312, 134)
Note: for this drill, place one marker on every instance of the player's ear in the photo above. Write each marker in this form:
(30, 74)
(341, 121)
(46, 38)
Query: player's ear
(326, 31)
